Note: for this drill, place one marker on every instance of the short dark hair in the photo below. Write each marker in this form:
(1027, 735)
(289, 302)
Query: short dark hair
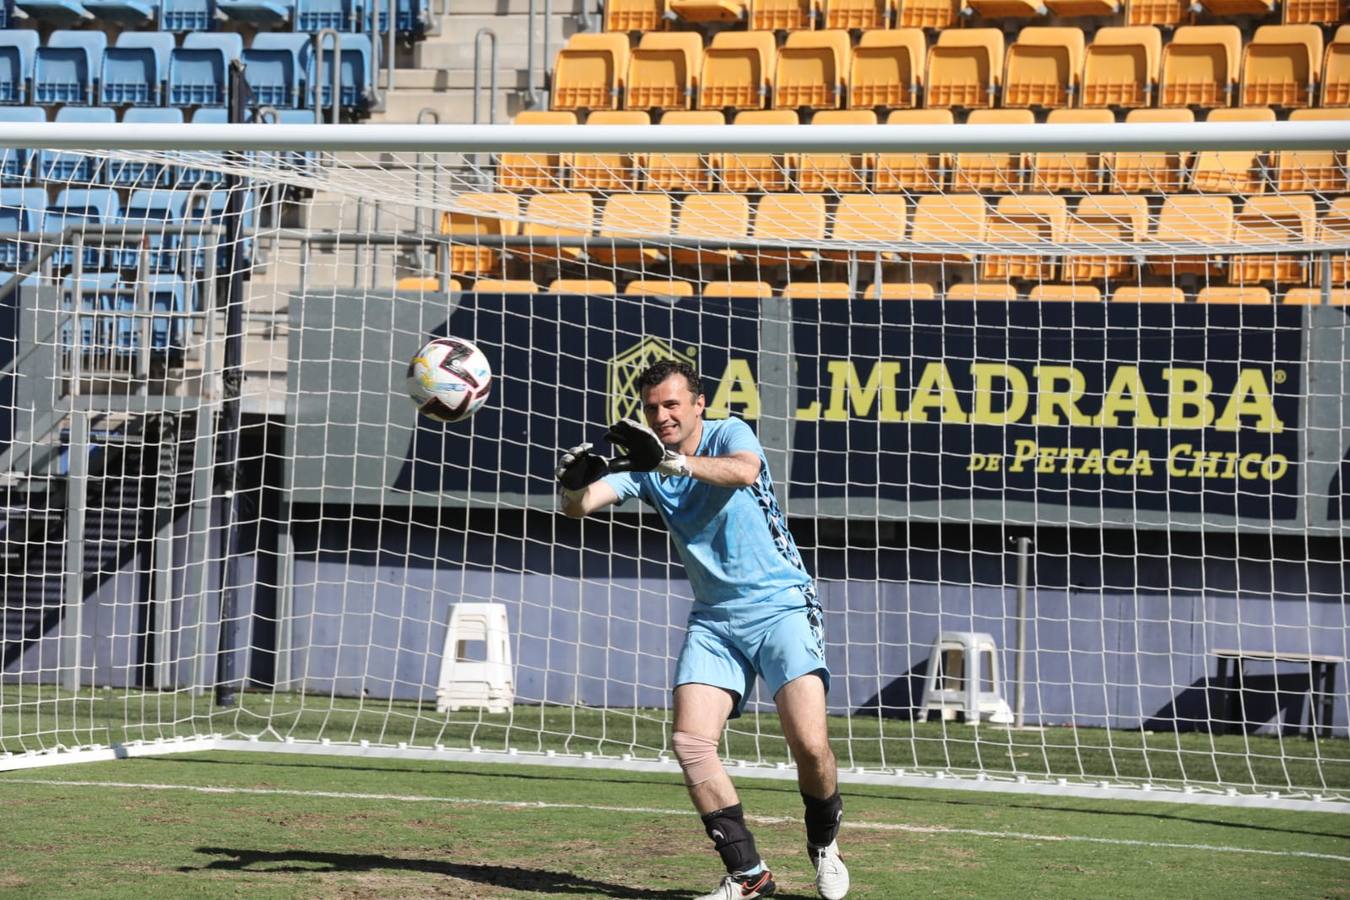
(659, 371)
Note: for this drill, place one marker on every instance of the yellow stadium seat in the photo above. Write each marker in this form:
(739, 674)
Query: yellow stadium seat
(737, 70)
(1231, 171)
(1334, 228)
(817, 290)
(1026, 219)
(755, 171)
(1238, 7)
(505, 286)
(1120, 67)
(757, 290)
(663, 71)
(604, 171)
(1322, 171)
(811, 69)
(1070, 8)
(633, 216)
(1336, 70)
(1314, 297)
(708, 218)
(1150, 172)
(1200, 66)
(479, 214)
(556, 215)
(887, 69)
(1192, 219)
(915, 172)
(1315, 12)
(899, 290)
(839, 172)
(1043, 67)
(1007, 9)
(936, 14)
(533, 171)
(635, 15)
(1282, 66)
(999, 291)
(680, 171)
(871, 219)
(1074, 293)
(1157, 12)
(1134, 294)
(788, 218)
(948, 218)
(1078, 172)
(589, 71)
(709, 10)
(992, 172)
(784, 15)
(1105, 219)
(858, 14)
(421, 283)
(658, 287)
(1283, 219)
(1231, 294)
(592, 286)
(965, 68)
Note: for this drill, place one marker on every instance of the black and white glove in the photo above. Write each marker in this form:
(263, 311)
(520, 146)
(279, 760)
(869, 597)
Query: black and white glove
(645, 452)
(579, 467)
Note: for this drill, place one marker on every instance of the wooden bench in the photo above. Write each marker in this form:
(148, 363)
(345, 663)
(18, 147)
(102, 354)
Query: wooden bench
(1321, 683)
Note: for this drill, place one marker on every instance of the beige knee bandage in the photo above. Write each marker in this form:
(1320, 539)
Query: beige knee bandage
(698, 757)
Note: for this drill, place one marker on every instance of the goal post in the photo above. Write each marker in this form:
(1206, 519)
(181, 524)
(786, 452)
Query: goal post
(1058, 413)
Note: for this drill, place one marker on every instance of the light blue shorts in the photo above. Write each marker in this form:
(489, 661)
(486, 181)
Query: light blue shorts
(728, 652)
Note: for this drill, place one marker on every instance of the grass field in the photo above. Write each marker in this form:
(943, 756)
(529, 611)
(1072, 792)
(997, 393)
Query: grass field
(274, 825)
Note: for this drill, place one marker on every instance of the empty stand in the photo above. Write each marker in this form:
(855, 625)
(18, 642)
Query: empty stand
(21, 209)
(195, 15)
(997, 291)
(1233, 294)
(356, 72)
(18, 53)
(1336, 70)
(659, 287)
(946, 219)
(917, 172)
(1282, 219)
(81, 208)
(965, 68)
(935, 14)
(663, 71)
(1043, 67)
(680, 171)
(635, 15)
(1072, 293)
(709, 10)
(784, 15)
(1157, 12)
(479, 215)
(841, 172)
(594, 287)
(817, 290)
(605, 171)
(1335, 227)
(16, 162)
(1192, 219)
(66, 66)
(994, 172)
(569, 214)
(1231, 171)
(1105, 219)
(1136, 294)
(316, 15)
(1071, 8)
(1120, 67)
(275, 67)
(887, 69)
(788, 218)
(135, 69)
(1077, 172)
(811, 69)
(1317, 12)
(536, 171)
(71, 166)
(708, 218)
(879, 219)
(1323, 171)
(757, 290)
(899, 290)
(857, 14)
(1150, 172)
(755, 171)
(259, 13)
(199, 70)
(154, 207)
(505, 286)
(1007, 9)
(633, 216)
(1282, 66)
(1025, 219)
(738, 67)
(1200, 66)
(1315, 296)
(1237, 7)
(589, 71)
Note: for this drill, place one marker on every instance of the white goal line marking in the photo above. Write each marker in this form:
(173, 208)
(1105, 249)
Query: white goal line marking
(657, 811)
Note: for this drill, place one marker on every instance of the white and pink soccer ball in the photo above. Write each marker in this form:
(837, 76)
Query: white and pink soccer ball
(449, 379)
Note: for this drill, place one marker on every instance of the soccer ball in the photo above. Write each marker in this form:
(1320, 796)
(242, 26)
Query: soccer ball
(449, 379)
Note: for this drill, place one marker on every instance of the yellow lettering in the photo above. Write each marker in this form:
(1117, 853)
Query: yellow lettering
(1142, 465)
(982, 412)
(1049, 397)
(809, 413)
(1115, 462)
(1023, 450)
(1274, 467)
(1251, 397)
(1188, 389)
(1126, 394)
(1172, 468)
(1206, 465)
(844, 380)
(935, 377)
(1092, 463)
(736, 386)
(1249, 467)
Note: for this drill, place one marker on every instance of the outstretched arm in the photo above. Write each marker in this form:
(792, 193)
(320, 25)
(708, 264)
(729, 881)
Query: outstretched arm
(594, 496)
(733, 470)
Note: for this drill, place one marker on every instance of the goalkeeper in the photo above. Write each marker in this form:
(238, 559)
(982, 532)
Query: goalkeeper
(755, 611)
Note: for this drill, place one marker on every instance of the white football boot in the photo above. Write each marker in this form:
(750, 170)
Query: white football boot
(831, 873)
(744, 887)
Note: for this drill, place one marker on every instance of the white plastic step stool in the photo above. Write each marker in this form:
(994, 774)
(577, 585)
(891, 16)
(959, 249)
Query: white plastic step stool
(964, 677)
(477, 684)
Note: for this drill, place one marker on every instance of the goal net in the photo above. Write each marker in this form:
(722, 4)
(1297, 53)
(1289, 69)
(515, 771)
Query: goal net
(1058, 414)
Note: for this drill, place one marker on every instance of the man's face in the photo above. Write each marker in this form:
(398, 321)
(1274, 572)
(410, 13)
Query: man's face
(672, 411)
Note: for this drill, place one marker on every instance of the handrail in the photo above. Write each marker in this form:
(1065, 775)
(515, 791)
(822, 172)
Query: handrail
(531, 93)
(336, 114)
(492, 73)
(425, 114)
(390, 63)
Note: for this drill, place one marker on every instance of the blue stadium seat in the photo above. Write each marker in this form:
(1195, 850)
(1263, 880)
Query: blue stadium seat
(21, 209)
(275, 67)
(306, 162)
(357, 72)
(98, 292)
(413, 17)
(167, 293)
(18, 52)
(82, 206)
(135, 69)
(199, 70)
(15, 163)
(66, 67)
(55, 12)
(263, 13)
(210, 209)
(78, 168)
(155, 207)
(187, 176)
(130, 13)
(129, 173)
(316, 15)
(187, 15)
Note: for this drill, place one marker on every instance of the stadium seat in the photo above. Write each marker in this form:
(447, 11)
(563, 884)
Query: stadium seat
(316, 15)
(187, 15)
(1167, 13)
(663, 71)
(1233, 294)
(1192, 219)
(165, 293)
(356, 71)
(915, 172)
(899, 290)
(547, 216)
(129, 13)
(595, 287)
(635, 15)
(755, 171)
(658, 287)
(1200, 66)
(71, 167)
(533, 171)
(1231, 171)
(1282, 66)
(17, 163)
(1072, 8)
(21, 209)
(589, 71)
(839, 172)
(276, 65)
(680, 171)
(505, 286)
(935, 14)
(1135, 294)
(1314, 297)
(1007, 9)
(998, 291)
(1237, 7)
(1336, 70)
(1323, 171)
(1043, 67)
(190, 175)
(994, 172)
(709, 10)
(1078, 172)
(1105, 219)
(98, 292)
(737, 70)
(887, 69)
(479, 213)
(1057, 293)
(633, 216)
(199, 70)
(76, 207)
(1150, 172)
(1334, 228)
(1120, 67)
(1028, 220)
(1273, 219)
(707, 218)
(965, 68)
(811, 71)
(1315, 12)
(604, 171)
(948, 218)
(788, 218)
(784, 15)
(858, 14)
(817, 290)
(66, 66)
(18, 52)
(756, 290)
(869, 219)
(135, 69)
(153, 207)
(54, 12)
(412, 18)
(260, 13)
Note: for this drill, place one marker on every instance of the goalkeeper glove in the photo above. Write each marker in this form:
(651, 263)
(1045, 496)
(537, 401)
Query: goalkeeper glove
(579, 467)
(645, 451)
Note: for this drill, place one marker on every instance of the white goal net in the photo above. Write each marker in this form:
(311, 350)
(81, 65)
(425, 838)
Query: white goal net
(1059, 416)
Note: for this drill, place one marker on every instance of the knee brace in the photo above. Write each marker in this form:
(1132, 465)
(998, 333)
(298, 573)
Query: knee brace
(697, 757)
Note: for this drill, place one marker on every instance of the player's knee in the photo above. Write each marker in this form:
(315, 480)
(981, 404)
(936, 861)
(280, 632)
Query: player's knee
(697, 757)
(812, 751)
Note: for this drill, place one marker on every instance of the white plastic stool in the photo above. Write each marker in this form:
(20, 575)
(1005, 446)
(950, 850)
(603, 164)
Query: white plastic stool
(477, 684)
(963, 677)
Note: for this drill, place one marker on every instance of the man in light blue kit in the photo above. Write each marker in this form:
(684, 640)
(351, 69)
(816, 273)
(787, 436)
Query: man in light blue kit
(755, 611)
